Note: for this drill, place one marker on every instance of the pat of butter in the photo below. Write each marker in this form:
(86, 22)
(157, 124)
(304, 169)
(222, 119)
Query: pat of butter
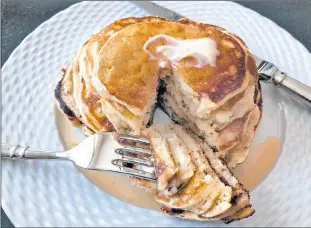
(203, 50)
(207, 178)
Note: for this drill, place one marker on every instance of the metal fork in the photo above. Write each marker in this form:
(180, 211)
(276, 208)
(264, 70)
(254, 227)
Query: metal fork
(113, 152)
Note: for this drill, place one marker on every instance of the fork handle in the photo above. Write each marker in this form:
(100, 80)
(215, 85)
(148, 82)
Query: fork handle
(268, 72)
(19, 152)
(295, 88)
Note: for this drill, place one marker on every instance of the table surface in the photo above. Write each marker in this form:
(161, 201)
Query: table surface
(21, 17)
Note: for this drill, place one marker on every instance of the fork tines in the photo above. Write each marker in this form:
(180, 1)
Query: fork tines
(133, 139)
(136, 156)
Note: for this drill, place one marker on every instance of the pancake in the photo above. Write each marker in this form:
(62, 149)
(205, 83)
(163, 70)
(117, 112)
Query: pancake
(127, 69)
(212, 193)
(75, 93)
(133, 83)
(165, 163)
(203, 184)
(238, 153)
(131, 109)
(231, 135)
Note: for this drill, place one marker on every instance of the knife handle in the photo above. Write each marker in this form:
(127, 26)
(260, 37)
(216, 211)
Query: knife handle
(270, 73)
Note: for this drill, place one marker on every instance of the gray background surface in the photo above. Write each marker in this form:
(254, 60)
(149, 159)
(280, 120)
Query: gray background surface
(21, 17)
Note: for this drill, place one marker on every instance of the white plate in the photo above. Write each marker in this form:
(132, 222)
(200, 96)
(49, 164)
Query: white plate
(41, 193)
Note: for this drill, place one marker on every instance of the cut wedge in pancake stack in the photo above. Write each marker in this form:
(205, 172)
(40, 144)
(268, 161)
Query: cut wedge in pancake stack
(206, 190)
(202, 76)
(225, 110)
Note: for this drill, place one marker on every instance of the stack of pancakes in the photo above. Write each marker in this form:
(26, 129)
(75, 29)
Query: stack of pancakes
(113, 84)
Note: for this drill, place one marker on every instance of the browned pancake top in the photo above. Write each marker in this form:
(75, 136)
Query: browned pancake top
(104, 34)
(94, 118)
(129, 74)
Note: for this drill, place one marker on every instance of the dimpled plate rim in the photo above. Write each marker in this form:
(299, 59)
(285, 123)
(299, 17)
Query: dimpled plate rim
(34, 190)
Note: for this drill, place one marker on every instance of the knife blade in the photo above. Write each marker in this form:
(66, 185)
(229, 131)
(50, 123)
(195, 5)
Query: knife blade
(157, 10)
(267, 71)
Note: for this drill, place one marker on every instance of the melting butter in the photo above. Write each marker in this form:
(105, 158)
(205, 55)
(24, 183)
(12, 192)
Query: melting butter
(203, 50)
